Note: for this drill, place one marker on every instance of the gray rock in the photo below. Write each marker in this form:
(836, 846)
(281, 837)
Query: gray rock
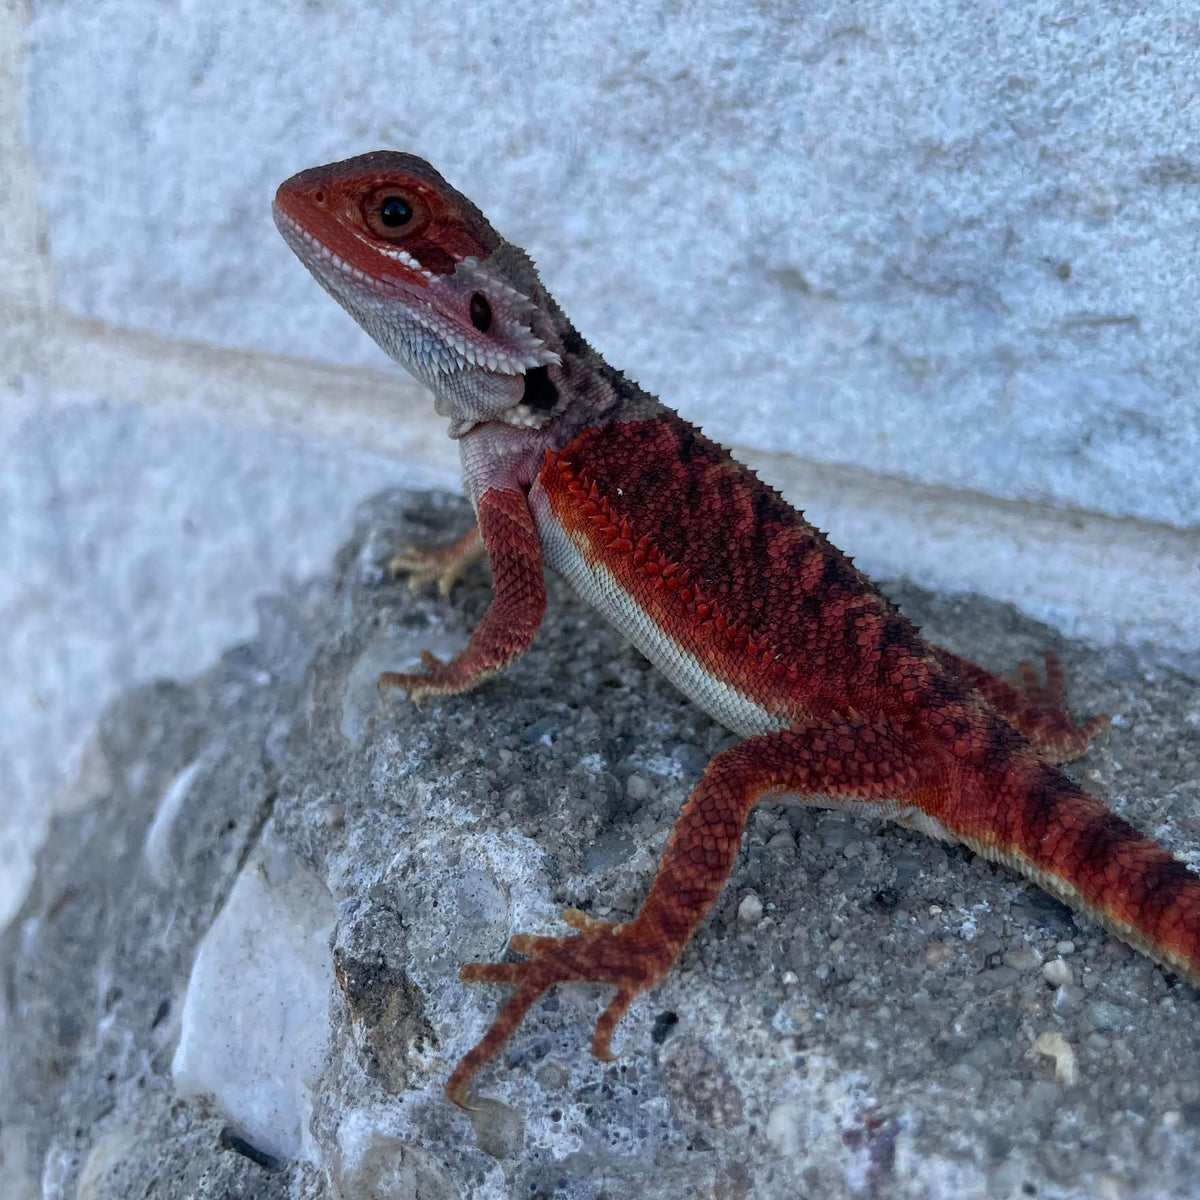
(499, 1129)
(389, 845)
(691, 758)
(1104, 1015)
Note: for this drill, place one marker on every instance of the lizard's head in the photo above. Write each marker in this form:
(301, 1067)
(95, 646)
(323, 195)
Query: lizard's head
(420, 269)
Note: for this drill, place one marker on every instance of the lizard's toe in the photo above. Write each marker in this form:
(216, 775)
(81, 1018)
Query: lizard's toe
(433, 681)
(601, 952)
(420, 565)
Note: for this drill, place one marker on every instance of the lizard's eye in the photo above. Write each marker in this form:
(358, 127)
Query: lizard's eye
(393, 215)
(394, 211)
(481, 312)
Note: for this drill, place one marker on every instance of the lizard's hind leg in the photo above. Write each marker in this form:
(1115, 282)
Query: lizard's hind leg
(845, 756)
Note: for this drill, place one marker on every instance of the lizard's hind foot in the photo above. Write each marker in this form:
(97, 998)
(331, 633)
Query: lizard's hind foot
(1044, 718)
(601, 952)
(1034, 708)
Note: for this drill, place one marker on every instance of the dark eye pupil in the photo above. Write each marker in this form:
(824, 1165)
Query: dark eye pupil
(395, 210)
(481, 313)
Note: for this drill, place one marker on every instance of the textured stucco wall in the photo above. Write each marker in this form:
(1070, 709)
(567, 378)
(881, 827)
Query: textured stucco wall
(944, 241)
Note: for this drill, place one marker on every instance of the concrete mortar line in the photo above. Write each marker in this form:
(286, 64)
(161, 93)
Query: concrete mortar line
(1091, 575)
(369, 410)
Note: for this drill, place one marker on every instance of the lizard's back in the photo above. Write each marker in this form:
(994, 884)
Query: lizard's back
(747, 607)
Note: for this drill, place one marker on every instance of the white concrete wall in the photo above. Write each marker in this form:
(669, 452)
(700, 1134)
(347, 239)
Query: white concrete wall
(934, 267)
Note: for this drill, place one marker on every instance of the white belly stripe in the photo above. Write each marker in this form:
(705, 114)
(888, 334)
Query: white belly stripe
(596, 584)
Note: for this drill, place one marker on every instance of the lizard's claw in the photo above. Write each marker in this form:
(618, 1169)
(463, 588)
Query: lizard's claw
(421, 566)
(420, 685)
(623, 955)
(452, 678)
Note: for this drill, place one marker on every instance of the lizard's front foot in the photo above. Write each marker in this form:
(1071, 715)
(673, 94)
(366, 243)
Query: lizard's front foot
(627, 956)
(443, 565)
(438, 679)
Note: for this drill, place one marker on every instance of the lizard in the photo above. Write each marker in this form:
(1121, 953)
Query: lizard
(726, 588)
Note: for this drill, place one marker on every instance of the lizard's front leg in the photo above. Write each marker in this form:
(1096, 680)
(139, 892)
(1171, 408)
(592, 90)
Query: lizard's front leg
(508, 627)
(845, 756)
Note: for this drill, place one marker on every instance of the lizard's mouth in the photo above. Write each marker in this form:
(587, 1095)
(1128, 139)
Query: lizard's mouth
(403, 292)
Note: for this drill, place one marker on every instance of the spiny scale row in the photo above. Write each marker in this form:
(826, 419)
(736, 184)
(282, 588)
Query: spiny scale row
(669, 576)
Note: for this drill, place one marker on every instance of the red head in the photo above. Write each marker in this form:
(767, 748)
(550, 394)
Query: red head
(419, 267)
(388, 214)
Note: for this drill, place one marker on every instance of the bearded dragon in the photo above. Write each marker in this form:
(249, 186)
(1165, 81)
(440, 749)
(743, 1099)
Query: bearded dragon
(743, 604)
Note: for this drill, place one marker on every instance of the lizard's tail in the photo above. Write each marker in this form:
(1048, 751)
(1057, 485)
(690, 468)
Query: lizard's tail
(1048, 828)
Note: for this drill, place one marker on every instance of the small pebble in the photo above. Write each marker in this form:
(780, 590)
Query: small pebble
(999, 978)
(1067, 999)
(750, 910)
(1043, 1100)
(1104, 1015)
(1056, 1047)
(552, 1076)
(987, 1054)
(1065, 947)
(540, 730)
(637, 787)
(1026, 958)
(691, 758)
(1110, 1187)
(1057, 973)
(499, 1129)
(789, 979)
(937, 953)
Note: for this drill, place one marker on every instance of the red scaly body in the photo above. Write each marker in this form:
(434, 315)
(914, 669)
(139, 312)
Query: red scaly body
(743, 604)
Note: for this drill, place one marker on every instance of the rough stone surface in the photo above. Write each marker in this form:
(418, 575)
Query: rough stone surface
(908, 235)
(828, 1050)
(253, 1022)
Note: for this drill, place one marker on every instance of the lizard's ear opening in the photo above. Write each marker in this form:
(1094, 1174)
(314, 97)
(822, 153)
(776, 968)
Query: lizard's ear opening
(540, 393)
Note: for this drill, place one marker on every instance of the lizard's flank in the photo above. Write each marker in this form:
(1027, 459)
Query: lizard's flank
(745, 606)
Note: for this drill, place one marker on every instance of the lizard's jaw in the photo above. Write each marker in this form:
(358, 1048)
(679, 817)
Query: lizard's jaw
(420, 317)
(516, 415)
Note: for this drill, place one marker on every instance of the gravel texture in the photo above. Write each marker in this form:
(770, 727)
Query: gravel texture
(865, 1013)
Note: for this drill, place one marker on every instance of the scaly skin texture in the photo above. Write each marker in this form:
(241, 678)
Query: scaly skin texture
(742, 603)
